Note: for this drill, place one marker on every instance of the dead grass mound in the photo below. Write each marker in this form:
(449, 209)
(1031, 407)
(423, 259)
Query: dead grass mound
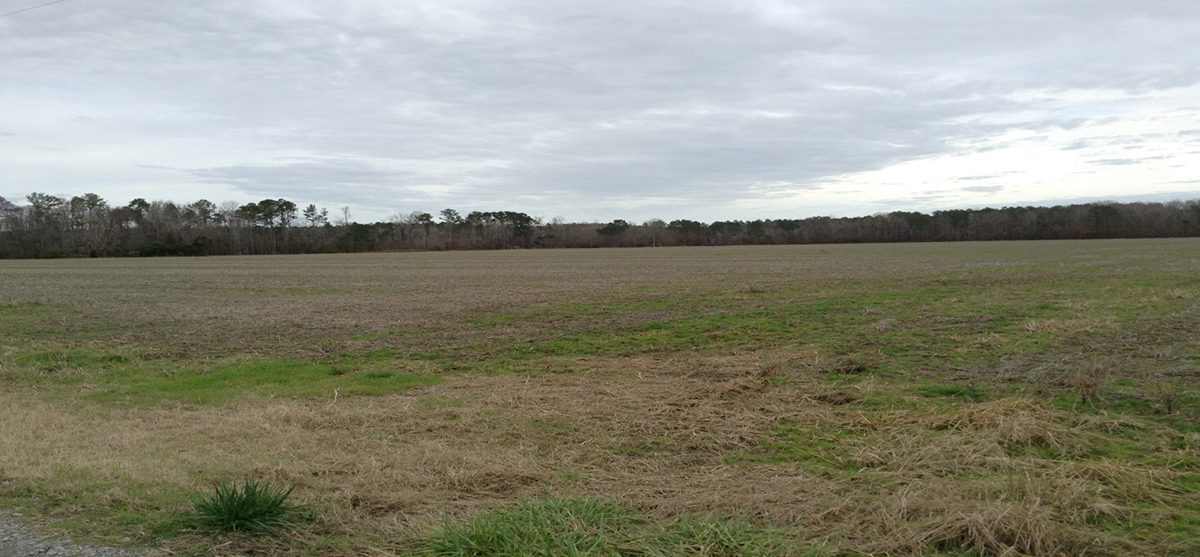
(1013, 422)
(1066, 326)
(990, 436)
(1129, 481)
(923, 455)
(757, 379)
(1021, 517)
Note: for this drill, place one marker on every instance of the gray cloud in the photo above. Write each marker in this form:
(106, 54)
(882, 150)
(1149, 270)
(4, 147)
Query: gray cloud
(1158, 197)
(982, 177)
(983, 189)
(673, 110)
(1130, 160)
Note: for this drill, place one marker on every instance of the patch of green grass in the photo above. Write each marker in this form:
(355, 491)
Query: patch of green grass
(31, 320)
(719, 331)
(924, 324)
(1180, 519)
(717, 537)
(906, 327)
(823, 451)
(595, 528)
(49, 322)
(634, 301)
(92, 509)
(381, 362)
(552, 527)
(267, 378)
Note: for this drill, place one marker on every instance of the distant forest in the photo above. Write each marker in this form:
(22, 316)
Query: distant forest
(88, 226)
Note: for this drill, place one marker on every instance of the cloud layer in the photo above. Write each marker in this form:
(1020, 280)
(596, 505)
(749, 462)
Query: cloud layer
(599, 111)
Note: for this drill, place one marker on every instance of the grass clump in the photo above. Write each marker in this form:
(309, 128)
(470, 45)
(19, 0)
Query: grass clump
(253, 506)
(594, 528)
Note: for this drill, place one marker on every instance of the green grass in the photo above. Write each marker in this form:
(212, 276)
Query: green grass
(39, 321)
(820, 450)
(143, 511)
(30, 320)
(596, 528)
(253, 506)
(262, 378)
(115, 373)
(913, 334)
(908, 326)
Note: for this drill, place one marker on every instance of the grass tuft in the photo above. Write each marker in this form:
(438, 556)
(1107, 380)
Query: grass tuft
(253, 506)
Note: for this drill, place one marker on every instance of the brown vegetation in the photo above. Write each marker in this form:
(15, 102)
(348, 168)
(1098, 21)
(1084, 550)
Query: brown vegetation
(754, 382)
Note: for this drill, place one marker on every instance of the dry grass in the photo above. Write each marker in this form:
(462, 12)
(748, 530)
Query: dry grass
(1011, 422)
(1068, 326)
(783, 385)
(1031, 520)
(383, 467)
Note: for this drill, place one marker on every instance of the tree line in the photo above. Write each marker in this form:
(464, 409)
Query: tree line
(88, 226)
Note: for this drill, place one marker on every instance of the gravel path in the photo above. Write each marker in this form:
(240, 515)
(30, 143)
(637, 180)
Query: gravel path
(18, 540)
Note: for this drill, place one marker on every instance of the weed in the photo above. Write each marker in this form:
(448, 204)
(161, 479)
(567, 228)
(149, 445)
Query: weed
(253, 506)
(855, 363)
(1165, 398)
(1089, 383)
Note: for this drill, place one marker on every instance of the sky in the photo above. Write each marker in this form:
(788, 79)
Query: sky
(593, 111)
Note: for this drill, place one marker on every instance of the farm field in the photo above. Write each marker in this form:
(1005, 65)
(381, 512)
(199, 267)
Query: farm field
(1004, 398)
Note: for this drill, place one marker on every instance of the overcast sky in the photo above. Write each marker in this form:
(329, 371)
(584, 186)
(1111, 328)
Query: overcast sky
(601, 110)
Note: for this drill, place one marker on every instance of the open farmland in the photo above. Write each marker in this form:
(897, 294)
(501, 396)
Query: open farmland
(1035, 398)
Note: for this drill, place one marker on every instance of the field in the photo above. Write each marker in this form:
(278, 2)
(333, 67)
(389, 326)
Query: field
(1025, 398)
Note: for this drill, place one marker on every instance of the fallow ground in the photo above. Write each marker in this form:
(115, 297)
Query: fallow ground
(1033, 398)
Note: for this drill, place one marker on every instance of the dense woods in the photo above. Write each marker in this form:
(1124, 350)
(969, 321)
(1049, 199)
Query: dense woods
(88, 226)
